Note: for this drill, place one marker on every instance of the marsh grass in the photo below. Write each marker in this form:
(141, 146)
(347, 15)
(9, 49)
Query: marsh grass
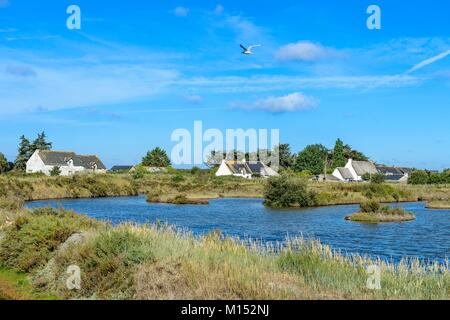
(33, 236)
(438, 204)
(373, 212)
(160, 262)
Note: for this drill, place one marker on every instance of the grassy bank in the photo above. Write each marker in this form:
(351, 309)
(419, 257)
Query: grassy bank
(201, 185)
(158, 262)
(438, 204)
(373, 212)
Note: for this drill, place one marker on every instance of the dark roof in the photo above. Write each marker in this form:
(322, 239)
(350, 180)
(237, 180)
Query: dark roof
(56, 158)
(394, 177)
(240, 168)
(390, 171)
(256, 167)
(60, 158)
(406, 170)
(121, 168)
(346, 174)
(88, 162)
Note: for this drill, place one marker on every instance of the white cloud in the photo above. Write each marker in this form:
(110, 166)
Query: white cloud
(429, 61)
(244, 28)
(304, 51)
(59, 87)
(278, 83)
(194, 99)
(181, 11)
(219, 9)
(292, 102)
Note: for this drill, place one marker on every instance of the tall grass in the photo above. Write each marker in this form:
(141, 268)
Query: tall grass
(160, 262)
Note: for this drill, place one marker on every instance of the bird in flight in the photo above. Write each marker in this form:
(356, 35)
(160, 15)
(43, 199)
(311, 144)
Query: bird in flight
(248, 50)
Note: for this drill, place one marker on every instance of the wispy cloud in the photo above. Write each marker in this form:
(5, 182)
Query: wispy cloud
(219, 9)
(429, 61)
(79, 86)
(180, 11)
(276, 83)
(194, 99)
(245, 29)
(276, 104)
(21, 71)
(304, 51)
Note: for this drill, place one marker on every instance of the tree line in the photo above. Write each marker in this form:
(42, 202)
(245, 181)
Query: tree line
(314, 159)
(25, 151)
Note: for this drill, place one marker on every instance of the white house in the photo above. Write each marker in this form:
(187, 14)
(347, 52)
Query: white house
(355, 170)
(394, 174)
(245, 169)
(69, 163)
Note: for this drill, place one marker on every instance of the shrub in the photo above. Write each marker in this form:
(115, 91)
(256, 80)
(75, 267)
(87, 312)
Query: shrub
(195, 170)
(56, 171)
(370, 207)
(11, 203)
(33, 238)
(418, 177)
(377, 178)
(284, 191)
(108, 262)
(177, 178)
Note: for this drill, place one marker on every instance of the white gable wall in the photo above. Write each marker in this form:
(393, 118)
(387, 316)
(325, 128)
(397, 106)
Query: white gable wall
(223, 170)
(349, 166)
(36, 165)
(336, 173)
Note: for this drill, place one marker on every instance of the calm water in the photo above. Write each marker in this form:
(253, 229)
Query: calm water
(428, 237)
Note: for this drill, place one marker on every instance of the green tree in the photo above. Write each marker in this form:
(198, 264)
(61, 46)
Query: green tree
(354, 154)
(377, 178)
(156, 158)
(56, 171)
(24, 153)
(4, 164)
(40, 143)
(339, 159)
(312, 158)
(418, 177)
(285, 156)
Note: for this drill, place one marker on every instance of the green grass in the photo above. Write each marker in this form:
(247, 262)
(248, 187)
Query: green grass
(373, 212)
(35, 235)
(159, 262)
(438, 204)
(17, 286)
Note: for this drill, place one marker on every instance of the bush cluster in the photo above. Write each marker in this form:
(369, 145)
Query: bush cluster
(287, 191)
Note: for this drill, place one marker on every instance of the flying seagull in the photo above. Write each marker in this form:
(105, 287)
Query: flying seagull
(249, 49)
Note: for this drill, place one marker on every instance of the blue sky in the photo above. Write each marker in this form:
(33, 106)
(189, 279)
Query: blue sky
(137, 70)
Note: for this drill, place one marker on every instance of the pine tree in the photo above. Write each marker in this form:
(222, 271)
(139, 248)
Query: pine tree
(338, 154)
(40, 143)
(23, 154)
(156, 158)
(4, 164)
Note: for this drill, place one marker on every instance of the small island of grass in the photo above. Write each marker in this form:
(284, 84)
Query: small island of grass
(438, 204)
(373, 212)
(176, 199)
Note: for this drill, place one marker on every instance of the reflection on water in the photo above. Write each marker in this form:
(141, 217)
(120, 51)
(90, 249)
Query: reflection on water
(428, 237)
